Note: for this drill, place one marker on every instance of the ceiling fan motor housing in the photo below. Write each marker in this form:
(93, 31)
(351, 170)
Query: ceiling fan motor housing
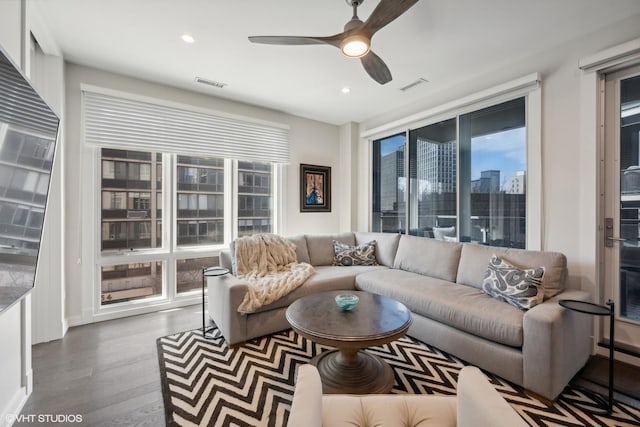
(357, 44)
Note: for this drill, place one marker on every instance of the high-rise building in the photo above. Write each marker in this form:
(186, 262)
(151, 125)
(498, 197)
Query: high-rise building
(517, 183)
(489, 182)
(200, 200)
(254, 198)
(436, 166)
(392, 168)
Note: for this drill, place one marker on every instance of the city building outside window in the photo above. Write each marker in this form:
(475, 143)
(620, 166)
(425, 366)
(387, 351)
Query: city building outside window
(461, 179)
(132, 185)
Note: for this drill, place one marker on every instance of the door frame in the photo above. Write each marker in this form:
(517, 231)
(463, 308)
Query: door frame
(627, 331)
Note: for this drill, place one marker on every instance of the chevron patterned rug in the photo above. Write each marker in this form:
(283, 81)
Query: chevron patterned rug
(206, 383)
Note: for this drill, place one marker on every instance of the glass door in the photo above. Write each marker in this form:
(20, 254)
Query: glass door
(622, 203)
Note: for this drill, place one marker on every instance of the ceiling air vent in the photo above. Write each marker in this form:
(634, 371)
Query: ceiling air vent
(210, 83)
(414, 84)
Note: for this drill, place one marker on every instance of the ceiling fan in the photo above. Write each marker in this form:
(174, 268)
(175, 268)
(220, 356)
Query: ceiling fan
(355, 40)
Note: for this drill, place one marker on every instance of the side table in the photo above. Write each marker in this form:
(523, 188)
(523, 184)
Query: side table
(598, 310)
(208, 272)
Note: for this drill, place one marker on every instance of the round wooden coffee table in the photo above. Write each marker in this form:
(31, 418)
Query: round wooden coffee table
(376, 320)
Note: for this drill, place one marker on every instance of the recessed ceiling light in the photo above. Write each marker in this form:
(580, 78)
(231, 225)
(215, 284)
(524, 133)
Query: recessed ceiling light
(188, 38)
(346, 90)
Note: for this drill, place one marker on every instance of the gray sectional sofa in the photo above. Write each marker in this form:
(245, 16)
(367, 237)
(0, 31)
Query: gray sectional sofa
(540, 349)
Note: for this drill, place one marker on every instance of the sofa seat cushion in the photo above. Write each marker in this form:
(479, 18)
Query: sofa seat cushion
(462, 307)
(326, 278)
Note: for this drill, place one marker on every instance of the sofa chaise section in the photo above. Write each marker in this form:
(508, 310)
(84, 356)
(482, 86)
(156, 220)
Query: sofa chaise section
(540, 349)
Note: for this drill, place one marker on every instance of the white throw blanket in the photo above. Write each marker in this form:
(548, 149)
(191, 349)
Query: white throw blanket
(270, 265)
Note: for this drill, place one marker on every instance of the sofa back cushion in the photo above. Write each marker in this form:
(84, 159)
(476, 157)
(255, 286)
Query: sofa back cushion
(475, 260)
(430, 257)
(320, 246)
(301, 248)
(225, 260)
(386, 245)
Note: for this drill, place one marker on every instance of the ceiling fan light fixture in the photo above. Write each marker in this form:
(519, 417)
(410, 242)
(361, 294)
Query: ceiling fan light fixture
(355, 46)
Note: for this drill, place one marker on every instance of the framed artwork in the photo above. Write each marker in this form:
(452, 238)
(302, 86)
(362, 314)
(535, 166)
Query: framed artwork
(315, 188)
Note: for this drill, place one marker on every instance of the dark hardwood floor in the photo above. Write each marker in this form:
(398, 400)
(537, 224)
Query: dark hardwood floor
(108, 371)
(595, 377)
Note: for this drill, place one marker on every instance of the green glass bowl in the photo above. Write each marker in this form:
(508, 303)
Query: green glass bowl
(346, 302)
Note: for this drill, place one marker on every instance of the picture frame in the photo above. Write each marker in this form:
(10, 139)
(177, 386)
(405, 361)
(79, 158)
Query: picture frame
(315, 188)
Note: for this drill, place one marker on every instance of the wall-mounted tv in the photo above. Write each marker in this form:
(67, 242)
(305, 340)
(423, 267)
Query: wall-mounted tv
(28, 132)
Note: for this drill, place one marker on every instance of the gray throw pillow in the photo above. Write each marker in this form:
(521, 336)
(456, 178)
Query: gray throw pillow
(347, 255)
(518, 287)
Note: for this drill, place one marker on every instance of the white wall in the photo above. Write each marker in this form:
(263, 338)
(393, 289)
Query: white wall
(310, 142)
(11, 20)
(47, 76)
(12, 392)
(15, 324)
(349, 140)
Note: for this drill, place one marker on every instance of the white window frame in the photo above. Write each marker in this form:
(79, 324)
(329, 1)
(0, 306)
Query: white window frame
(529, 87)
(92, 258)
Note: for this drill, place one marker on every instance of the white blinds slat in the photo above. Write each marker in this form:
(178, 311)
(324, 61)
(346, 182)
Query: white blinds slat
(21, 105)
(136, 125)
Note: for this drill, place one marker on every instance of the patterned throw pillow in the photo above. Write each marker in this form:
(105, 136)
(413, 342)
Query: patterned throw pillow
(347, 255)
(521, 288)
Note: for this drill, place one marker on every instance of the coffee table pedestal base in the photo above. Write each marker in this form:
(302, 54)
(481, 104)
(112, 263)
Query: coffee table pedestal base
(353, 372)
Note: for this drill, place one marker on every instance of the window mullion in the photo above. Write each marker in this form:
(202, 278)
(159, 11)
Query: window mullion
(169, 221)
(407, 185)
(230, 200)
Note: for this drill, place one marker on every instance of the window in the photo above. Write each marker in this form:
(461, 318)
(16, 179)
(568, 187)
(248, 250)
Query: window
(128, 213)
(389, 184)
(132, 219)
(461, 179)
(433, 154)
(200, 218)
(254, 203)
(127, 282)
(163, 214)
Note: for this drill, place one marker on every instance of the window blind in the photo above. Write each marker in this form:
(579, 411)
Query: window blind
(20, 105)
(131, 124)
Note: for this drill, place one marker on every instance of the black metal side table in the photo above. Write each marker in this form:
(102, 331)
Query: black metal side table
(598, 310)
(209, 272)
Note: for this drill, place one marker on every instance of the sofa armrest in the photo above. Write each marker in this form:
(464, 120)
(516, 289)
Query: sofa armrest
(225, 293)
(306, 407)
(480, 404)
(557, 344)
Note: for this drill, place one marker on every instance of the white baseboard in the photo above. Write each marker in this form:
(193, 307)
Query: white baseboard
(14, 407)
(72, 321)
(65, 327)
(28, 381)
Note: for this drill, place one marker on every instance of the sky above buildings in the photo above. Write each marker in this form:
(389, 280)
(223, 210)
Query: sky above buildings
(505, 151)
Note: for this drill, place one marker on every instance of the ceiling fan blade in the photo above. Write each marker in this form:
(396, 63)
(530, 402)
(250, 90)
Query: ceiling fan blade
(384, 13)
(376, 68)
(296, 40)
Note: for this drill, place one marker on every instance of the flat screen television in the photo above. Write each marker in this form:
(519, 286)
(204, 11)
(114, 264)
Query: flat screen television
(28, 133)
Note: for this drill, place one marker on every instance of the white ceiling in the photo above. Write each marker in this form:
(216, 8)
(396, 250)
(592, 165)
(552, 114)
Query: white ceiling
(444, 41)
